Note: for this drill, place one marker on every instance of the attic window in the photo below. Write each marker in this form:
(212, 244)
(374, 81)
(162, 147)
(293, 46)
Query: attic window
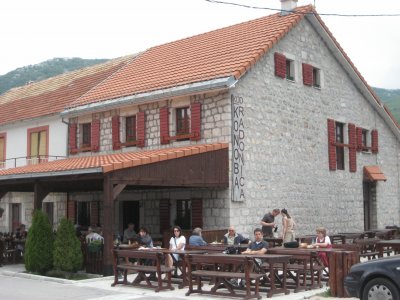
(316, 78)
(290, 69)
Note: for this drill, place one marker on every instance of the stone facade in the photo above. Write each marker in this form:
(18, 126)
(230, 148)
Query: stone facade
(287, 146)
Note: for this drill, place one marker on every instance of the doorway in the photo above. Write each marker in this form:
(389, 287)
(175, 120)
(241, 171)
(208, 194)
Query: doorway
(370, 213)
(15, 216)
(130, 213)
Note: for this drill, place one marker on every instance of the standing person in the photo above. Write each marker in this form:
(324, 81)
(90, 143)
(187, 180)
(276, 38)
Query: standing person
(129, 234)
(195, 239)
(287, 227)
(268, 222)
(178, 241)
(234, 238)
(145, 239)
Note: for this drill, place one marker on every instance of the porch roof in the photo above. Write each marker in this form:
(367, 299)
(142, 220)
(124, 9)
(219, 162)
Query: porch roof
(373, 173)
(192, 165)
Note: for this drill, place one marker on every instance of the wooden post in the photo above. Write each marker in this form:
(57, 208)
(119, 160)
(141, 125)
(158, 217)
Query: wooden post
(107, 226)
(40, 192)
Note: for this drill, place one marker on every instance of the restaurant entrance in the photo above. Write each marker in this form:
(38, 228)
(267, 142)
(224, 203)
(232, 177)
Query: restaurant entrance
(369, 193)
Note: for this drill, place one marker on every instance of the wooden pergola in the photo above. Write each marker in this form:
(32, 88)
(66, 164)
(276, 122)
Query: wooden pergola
(199, 166)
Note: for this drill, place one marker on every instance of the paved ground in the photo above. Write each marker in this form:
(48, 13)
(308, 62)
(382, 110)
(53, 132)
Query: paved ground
(128, 293)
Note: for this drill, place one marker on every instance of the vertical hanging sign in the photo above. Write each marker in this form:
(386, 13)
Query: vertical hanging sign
(238, 147)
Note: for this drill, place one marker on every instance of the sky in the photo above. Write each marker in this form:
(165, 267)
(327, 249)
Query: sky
(35, 31)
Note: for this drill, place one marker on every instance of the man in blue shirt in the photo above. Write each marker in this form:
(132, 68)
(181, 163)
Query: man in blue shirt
(196, 239)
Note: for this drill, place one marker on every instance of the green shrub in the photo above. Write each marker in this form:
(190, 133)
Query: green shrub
(67, 248)
(38, 255)
(95, 246)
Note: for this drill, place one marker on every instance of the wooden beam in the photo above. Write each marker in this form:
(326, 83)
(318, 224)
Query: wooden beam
(117, 190)
(40, 192)
(108, 223)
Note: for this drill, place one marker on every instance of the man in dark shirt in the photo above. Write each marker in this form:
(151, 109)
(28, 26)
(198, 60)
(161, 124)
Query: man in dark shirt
(268, 222)
(259, 246)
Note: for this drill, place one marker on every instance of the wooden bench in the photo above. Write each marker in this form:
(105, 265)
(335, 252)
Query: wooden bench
(226, 267)
(148, 264)
(367, 247)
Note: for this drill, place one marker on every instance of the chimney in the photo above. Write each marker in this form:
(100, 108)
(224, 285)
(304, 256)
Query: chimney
(287, 6)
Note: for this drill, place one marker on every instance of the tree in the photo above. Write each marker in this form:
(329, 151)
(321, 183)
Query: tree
(67, 254)
(39, 244)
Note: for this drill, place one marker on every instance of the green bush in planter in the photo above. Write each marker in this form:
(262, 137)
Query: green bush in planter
(38, 254)
(95, 246)
(67, 254)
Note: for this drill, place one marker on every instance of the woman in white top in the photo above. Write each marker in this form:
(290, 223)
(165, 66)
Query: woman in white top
(178, 241)
(287, 227)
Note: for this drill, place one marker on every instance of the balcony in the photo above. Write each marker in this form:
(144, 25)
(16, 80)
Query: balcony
(22, 161)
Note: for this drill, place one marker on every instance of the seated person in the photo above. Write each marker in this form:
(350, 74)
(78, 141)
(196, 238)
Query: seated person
(21, 232)
(322, 241)
(195, 239)
(145, 240)
(234, 238)
(129, 234)
(93, 236)
(259, 246)
(178, 242)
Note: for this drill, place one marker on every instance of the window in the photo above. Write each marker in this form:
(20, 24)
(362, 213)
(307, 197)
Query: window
(2, 150)
(182, 121)
(37, 144)
(184, 214)
(86, 136)
(130, 129)
(316, 78)
(289, 69)
(364, 142)
(339, 148)
(83, 213)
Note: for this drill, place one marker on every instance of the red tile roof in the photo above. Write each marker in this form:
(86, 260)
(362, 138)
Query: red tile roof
(374, 173)
(111, 162)
(50, 96)
(221, 53)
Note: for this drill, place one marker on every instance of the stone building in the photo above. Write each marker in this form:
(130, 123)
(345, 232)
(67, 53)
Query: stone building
(220, 128)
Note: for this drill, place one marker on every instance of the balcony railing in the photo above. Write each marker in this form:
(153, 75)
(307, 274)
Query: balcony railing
(28, 160)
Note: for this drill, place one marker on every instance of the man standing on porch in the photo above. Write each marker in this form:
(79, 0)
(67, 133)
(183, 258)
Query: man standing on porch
(268, 222)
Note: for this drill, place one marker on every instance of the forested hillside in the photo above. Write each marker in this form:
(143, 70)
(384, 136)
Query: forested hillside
(44, 70)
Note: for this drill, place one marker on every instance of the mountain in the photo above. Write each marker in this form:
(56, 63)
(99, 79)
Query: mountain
(392, 99)
(43, 70)
(56, 66)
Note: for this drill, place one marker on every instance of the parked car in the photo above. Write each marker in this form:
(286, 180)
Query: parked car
(377, 279)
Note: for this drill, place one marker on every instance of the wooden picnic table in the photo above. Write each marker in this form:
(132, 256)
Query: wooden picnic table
(340, 261)
(233, 266)
(381, 245)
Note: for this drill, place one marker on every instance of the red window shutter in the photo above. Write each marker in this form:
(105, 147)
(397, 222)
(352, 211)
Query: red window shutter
(352, 148)
(164, 207)
(280, 65)
(140, 128)
(195, 111)
(307, 74)
(197, 213)
(115, 126)
(374, 141)
(72, 139)
(359, 139)
(94, 213)
(95, 136)
(164, 125)
(71, 210)
(331, 145)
